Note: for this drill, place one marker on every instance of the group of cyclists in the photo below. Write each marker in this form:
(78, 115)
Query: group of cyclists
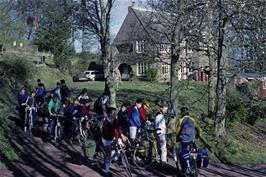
(123, 125)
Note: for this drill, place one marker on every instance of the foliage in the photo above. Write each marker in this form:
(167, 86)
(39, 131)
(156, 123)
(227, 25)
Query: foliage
(152, 74)
(54, 35)
(235, 108)
(240, 107)
(14, 73)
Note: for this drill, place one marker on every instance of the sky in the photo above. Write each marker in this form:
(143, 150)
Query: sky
(118, 15)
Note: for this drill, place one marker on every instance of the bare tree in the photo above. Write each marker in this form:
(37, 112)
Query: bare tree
(174, 20)
(95, 16)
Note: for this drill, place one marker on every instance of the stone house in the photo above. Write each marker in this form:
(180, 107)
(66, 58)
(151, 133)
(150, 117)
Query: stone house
(137, 48)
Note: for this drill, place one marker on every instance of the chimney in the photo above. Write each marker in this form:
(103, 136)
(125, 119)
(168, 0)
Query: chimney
(133, 3)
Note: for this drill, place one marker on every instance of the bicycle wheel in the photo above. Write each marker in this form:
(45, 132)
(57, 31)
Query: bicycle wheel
(26, 122)
(30, 122)
(58, 135)
(144, 155)
(194, 169)
(125, 163)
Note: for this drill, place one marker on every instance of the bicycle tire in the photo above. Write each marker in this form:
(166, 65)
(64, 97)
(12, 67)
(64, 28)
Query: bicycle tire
(147, 162)
(30, 123)
(125, 163)
(25, 122)
(194, 171)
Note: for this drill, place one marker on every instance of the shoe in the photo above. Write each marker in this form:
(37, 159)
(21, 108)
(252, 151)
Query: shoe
(108, 174)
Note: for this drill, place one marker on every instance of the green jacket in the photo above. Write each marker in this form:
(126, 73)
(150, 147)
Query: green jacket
(54, 106)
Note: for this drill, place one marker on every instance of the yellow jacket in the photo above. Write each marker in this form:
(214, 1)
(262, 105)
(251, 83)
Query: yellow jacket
(180, 126)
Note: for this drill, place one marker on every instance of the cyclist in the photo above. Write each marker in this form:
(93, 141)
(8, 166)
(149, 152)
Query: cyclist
(144, 111)
(123, 121)
(187, 131)
(53, 108)
(134, 120)
(64, 90)
(57, 90)
(31, 103)
(101, 104)
(161, 133)
(40, 92)
(83, 96)
(109, 132)
(22, 98)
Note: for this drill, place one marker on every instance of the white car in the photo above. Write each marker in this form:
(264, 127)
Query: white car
(90, 74)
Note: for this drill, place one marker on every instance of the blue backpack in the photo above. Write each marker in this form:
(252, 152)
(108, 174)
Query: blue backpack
(203, 158)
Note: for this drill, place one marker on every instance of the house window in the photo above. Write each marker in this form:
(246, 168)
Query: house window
(140, 46)
(164, 48)
(142, 68)
(264, 84)
(165, 68)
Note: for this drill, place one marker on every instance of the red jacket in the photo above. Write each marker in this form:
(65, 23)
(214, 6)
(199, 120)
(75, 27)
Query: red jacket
(86, 110)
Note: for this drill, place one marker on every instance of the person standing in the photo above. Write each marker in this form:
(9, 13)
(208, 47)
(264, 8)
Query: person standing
(134, 120)
(161, 133)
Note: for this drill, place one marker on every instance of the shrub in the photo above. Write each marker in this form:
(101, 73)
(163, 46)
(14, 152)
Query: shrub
(235, 107)
(152, 74)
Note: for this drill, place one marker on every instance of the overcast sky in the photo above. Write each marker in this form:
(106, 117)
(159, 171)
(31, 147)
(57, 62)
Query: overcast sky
(118, 15)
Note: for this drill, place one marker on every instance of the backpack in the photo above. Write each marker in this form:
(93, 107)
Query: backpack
(203, 159)
(40, 91)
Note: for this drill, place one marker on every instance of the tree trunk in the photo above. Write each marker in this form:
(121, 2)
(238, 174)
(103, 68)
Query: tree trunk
(108, 74)
(221, 89)
(211, 56)
(174, 82)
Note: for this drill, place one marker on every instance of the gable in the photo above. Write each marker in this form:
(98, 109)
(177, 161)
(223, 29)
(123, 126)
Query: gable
(131, 30)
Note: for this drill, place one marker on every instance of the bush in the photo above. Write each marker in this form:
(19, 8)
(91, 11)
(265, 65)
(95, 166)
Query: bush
(235, 107)
(240, 107)
(152, 74)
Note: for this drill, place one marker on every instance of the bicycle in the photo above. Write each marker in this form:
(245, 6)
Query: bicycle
(192, 161)
(28, 124)
(118, 155)
(58, 128)
(145, 149)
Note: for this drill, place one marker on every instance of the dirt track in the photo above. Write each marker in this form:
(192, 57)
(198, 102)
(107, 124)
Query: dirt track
(45, 160)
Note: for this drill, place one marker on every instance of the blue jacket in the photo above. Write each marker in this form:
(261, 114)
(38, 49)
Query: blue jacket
(134, 118)
(22, 98)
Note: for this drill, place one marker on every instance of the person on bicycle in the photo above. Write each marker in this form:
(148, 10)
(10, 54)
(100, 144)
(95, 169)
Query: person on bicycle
(110, 131)
(83, 96)
(40, 92)
(31, 103)
(57, 91)
(22, 98)
(160, 127)
(123, 121)
(53, 109)
(65, 92)
(144, 111)
(101, 104)
(134, 120)
(187, 131)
